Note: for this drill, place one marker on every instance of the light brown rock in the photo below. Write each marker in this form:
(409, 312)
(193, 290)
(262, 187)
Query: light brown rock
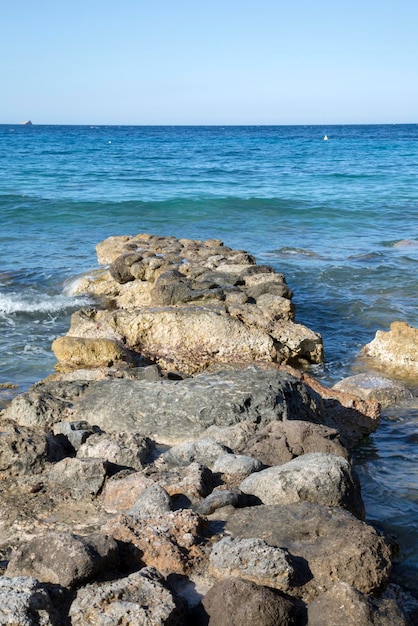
(395, 349)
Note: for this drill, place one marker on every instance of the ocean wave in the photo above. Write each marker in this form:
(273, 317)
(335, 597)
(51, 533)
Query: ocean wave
(13, 303)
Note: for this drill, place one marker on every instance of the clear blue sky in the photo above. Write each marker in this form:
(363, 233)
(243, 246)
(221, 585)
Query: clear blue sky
(209, 61)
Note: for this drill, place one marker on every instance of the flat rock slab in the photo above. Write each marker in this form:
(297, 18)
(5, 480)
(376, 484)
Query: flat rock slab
(373, 387)
(170, 411)
(334, 545)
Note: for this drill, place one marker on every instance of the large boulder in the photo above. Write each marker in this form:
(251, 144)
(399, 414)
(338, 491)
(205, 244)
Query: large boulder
(395, 350)
(332, 544)
(141, 598)
(263, 606)
(315, 477)
(176, 411)
(64, 559)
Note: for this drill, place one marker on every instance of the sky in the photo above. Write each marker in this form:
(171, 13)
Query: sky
(209, 61)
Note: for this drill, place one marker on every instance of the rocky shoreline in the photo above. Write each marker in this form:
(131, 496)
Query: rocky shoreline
(181, 467)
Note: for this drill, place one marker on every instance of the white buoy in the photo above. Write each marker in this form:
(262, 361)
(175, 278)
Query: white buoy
(326, 138)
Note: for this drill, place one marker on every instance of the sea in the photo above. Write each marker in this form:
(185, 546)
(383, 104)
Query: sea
(334, 208)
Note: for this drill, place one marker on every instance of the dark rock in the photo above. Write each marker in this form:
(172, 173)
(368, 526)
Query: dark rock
(225, 605)
(64, 559)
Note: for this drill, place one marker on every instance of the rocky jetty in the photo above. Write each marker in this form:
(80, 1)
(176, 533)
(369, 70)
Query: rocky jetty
(178, 470)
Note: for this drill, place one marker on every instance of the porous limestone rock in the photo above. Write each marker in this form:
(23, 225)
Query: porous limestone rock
(280, 442)
(343, 605)
(24, 450)
(252, 559)
(167, 541)
(186, 305)
(24, 601)
(314, 477)
(395, 350)
(78, 352)
(140, 598)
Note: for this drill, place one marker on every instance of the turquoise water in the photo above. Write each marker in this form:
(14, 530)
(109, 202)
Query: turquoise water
(337, 217)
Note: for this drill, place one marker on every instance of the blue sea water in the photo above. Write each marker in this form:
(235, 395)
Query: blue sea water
(337, 217)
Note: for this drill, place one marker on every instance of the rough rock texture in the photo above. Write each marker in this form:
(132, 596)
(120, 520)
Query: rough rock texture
(263, 606)
(252, 559)
(174, 411)
(186, 305)
(395, 350)
(121, 449)
(334, 545)
(314, 477)
(373, 387)
(122, 491)
(24, 450)
(141, 598)
(81, 476)
(64, 559)
(94, 352)
(24, 601)
(343, 605)
(166, 541)
(280, 442)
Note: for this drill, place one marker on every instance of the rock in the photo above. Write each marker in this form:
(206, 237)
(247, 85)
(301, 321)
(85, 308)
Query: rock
(128, 450)
(263, 606)
(153, 501)
(236, 465)
(24, 601)
(353, 417)
(254, 560)
(64, 559)
(74, 434)
(220, 498)
(83, 477)
(371, 386)
(122, 491)
(204, 451)
(90, 351)
(167, 541)
(141, 598)
(168, 298)
(314, 477)
(23, 450)
(194, 481)
(343, 605)
(280, 442)
(176, 411)
(334, 544)
(395, 350)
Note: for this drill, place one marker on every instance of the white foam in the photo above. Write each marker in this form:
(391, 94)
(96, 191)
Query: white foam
(39, 303)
